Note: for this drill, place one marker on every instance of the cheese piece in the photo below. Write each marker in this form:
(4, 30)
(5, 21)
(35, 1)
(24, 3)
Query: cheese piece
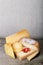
(33, 55)
(22, 55)
(17, 37)
(9, 50)
(17, 47)
(34, 45)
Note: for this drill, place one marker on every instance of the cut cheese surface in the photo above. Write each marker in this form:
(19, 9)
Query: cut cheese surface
(29, 46)
(22, 54)
(9, 50)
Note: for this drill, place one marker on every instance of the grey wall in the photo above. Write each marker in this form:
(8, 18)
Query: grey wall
(19, 14)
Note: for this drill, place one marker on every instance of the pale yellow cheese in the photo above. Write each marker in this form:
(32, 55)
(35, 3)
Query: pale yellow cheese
(33, 55)
(9, 50)
(17, 47)
(16, 37)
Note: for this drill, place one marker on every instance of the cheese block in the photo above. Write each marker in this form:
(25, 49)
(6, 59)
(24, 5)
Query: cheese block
(9, 50)
(17, 36)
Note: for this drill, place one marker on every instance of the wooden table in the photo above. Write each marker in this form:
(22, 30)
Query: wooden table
(6, 60)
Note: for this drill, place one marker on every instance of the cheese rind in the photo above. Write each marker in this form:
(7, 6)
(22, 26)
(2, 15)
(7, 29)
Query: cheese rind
(16, 37)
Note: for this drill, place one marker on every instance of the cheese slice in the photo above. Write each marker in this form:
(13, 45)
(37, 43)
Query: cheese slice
(9, 50)
(17, 47)
(33, 55)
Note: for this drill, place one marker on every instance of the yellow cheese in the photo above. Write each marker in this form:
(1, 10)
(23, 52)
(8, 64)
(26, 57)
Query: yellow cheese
(16, 37)
(17, 47)
(9, 50)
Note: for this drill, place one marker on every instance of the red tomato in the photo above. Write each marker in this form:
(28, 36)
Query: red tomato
(26, 49)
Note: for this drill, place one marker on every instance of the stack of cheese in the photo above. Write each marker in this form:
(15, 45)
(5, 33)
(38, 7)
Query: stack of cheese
(22, 45)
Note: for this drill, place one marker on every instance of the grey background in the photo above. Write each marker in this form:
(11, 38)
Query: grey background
(21, 14)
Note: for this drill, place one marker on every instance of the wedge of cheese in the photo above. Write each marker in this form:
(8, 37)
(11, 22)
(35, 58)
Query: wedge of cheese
(16, 37)
(9, 50)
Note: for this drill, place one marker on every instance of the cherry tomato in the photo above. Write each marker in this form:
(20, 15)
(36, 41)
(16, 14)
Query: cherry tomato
(26, 49)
